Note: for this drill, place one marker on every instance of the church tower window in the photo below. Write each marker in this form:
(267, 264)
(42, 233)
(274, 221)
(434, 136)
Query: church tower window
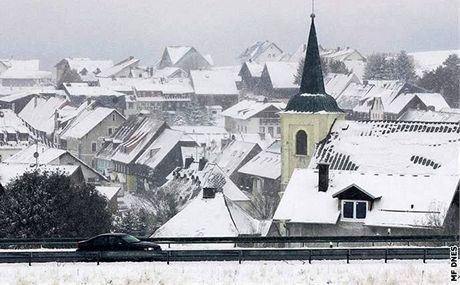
(301, 143)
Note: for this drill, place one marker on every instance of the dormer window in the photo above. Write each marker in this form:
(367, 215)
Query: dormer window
(354, 210)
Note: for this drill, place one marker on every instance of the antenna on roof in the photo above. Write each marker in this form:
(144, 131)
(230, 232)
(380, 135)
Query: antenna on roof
(312, 8)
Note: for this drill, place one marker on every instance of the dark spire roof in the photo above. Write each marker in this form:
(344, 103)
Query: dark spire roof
(312, 76)
(312, 96)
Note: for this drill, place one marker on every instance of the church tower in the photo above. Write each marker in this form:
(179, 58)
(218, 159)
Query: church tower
(309, 114)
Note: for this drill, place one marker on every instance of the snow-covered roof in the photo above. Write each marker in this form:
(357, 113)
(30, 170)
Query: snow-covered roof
(83, 89)
(430, 60)
(213, 82)
(90, 65)
(46, 154)
(255, 69)
(156, 152)
(235, 154)
(176, 53)
(266, 164)
(335, 83)
(406, 200)
(246, 109)
(86, 121)
(132, 139)
(8, 119)
(255, 50)
(167, 72)
(13, 73)
(351, 96)
(340, 54)
(282, 74)
(130, 62)
(29, 65)
(9, 171)
(108, 191)
(391, 146)
(430, 116)
(39, 112)
(212, 217)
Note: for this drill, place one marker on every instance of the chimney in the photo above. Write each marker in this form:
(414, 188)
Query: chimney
(35, 101)
(209, 193)
(323, 177)
(201, 163)
(188, 162)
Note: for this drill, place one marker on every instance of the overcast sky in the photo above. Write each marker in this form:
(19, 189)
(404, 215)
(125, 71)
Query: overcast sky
(113, 29)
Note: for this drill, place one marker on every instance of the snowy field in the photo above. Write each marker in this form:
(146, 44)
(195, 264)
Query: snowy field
(275, 272)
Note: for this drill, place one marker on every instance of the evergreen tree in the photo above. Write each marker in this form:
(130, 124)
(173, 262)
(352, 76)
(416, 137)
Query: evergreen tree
(376, 67)
(445, 80)
(45, 204)
(404, 68)
(337, 66)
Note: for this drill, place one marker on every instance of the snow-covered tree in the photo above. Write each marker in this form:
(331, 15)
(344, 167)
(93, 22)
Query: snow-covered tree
(445, 79)
(376, 67)
(49, 204)
(404, 67)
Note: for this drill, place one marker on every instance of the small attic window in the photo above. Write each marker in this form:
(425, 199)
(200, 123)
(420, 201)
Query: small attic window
(354, 210)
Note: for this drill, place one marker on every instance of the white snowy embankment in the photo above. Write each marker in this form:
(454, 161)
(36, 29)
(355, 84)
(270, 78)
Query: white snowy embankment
(276, 272)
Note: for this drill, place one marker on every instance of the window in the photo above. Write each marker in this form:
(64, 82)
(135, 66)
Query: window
(354, 210)
(270, 131)
(113, 117)
(110, 131)
(301, 143)
(93, 147)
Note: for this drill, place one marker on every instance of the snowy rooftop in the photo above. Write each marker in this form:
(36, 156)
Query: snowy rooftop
(39, 112)
(430, 60)
(8, 119)
(86, 121)
(406, 200)
(132, 138)
(266, 164)
(391, 146)
(176, 53)
(255, 69)
(235, 154)
(167, 72)
(156, 152)
(13, 73)
(213, 82)
(212, 217)
(108, 191)
(85, 63)
(430, 116)
(9, 171)
(246, 109)
(46, 154)
(30, 65)
(335, 83)
(83, 89)
(282, 74)
(118, 67)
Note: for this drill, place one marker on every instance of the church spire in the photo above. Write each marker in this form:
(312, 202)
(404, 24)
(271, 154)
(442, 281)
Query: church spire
(312, 76)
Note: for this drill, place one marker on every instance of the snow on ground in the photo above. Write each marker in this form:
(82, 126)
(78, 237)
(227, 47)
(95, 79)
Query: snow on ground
(270, 272)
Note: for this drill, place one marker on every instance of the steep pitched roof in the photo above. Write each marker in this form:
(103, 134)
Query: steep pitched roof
(312, 96)
(39, 112)
(282, 74)
(429, 195)
(213, 82)
(119, 66)
(391, 146)
(247, 108)
(266, 164)
(255, 50)
(86, 121)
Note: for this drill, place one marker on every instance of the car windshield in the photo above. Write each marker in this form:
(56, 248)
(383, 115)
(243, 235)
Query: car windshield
(130, 239)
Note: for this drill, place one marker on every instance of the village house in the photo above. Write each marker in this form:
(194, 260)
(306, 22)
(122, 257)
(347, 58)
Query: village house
(278, 80)
(133, 156)
(40, 113)
(80, 70)
(78, 93)
(214, 87)
(54, 156)
(250, 74)
(249, 116)
(336, 83)
(366, 177)
(83, 136)
(23, 73)
(14, 135)
(262, 52)
(185, 57)
(217, 206)
(128, 67)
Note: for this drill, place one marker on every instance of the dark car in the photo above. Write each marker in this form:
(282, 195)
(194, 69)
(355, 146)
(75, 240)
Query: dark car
(116, 242)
